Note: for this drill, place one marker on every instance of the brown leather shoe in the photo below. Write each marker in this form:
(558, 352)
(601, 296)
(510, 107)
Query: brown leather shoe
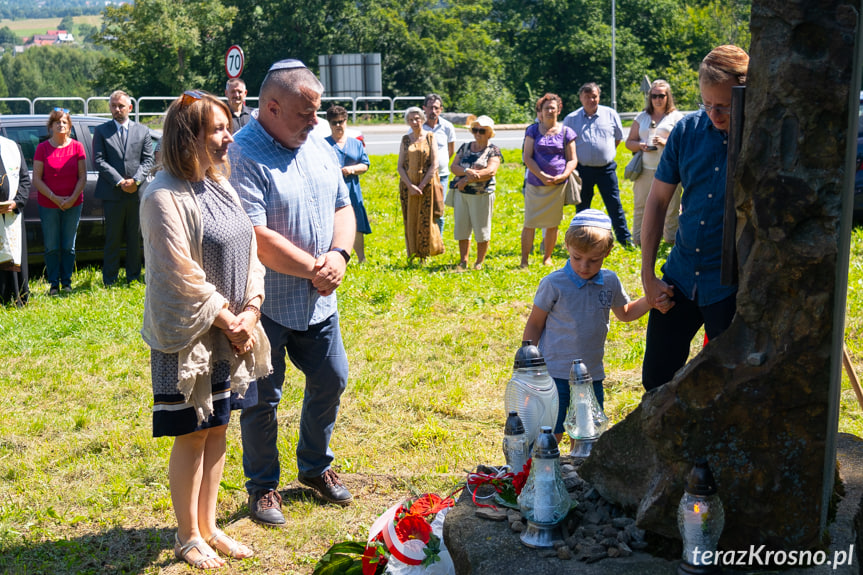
(329, 487)
(265, 507)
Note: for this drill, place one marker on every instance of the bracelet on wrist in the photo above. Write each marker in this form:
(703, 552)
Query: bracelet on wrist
(255, 310)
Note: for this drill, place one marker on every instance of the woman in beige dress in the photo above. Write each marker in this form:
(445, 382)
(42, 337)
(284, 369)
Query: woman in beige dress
(420, 188)
(649, 133)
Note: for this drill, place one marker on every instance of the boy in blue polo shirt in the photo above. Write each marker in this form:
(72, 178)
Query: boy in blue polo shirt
(570, 315)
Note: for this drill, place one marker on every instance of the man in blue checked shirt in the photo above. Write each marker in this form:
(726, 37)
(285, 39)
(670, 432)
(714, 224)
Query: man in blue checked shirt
(291, 186)
(598, 132)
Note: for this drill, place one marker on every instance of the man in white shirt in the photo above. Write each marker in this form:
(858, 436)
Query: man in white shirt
(444, 133)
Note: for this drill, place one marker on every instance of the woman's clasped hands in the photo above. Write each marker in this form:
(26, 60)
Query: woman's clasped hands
(550, 180)
(240, 331)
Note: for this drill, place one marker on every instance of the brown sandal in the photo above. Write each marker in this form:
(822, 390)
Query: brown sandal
(230, 547)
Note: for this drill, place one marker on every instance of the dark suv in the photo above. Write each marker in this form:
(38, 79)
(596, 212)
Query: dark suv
(28, 132)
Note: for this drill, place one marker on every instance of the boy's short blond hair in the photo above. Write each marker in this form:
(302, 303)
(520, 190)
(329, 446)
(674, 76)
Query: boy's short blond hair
(589, 238)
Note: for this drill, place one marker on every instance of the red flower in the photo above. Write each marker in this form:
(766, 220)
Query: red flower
(429, 504)
(521, 478)
(373, 559)
(413, 527)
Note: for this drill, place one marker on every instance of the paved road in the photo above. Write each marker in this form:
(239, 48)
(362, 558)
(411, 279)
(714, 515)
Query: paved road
(384, 139)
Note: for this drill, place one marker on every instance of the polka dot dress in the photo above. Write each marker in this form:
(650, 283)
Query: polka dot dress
(227, 239)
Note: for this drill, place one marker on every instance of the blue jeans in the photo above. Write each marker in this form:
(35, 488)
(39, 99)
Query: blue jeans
(605, 178)
(669, 335)
(59, 229)
(319, 353)
(563, 397)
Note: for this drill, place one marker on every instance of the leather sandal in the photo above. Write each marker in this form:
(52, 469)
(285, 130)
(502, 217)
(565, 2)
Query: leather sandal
(229, 547)
(181, 551)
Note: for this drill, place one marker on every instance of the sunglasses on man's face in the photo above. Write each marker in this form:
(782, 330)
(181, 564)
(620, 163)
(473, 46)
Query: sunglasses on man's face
(480, 131)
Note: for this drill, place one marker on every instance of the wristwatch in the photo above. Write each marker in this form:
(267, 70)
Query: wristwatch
(344, 253)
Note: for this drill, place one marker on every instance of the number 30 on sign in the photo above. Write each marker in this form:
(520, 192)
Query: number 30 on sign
(234, 61)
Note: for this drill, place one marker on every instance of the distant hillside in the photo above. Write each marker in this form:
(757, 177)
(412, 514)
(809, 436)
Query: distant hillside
(21, 9)
(30, 26)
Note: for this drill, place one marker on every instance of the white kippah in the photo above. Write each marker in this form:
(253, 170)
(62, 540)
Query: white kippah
(592, 218)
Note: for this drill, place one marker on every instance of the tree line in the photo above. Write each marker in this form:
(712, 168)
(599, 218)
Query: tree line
(24, 9)
(490, 57)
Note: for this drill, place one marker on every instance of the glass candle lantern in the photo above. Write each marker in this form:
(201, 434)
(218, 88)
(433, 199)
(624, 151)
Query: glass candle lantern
(531, 392)
(544, 501)
(515, 443)
(700, 519)
(585, 420)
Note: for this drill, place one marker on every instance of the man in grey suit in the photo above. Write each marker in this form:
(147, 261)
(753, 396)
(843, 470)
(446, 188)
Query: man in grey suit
(123, 152)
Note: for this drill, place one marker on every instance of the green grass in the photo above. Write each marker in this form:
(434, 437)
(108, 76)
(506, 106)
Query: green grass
(83, 485)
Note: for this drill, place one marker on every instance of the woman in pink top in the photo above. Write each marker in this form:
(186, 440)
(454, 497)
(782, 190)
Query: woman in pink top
(59, 173)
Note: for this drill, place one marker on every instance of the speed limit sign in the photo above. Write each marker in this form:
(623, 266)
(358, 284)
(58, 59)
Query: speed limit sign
(234, 61)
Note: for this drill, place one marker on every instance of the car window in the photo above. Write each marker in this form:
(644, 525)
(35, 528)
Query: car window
(28, 137)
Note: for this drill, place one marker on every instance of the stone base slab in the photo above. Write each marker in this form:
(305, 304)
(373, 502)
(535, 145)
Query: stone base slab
(482, 547)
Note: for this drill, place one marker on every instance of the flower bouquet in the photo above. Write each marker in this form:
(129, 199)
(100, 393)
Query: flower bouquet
(507, 484)
(406, 540)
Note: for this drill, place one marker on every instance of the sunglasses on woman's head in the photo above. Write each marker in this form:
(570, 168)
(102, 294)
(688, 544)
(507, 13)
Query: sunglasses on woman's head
(64, 110)
(478, 130)
(190, 96)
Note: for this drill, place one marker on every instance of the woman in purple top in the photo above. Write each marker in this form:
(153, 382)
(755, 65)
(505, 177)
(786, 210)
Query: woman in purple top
(549, 154)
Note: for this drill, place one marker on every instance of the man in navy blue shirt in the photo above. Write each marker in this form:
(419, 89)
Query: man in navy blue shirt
(695, 155)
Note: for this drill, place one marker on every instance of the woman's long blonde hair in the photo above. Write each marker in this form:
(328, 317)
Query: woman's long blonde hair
(187, 117)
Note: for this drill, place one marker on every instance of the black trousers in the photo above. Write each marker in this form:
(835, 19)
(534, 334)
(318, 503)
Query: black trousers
(122, 226)
(605, 178)
(669, 335)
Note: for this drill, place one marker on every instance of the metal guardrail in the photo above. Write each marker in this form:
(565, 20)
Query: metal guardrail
(404, 99)
(28, 100)
(86, 104)
(390, 110)
(373, 99)
(59, 99)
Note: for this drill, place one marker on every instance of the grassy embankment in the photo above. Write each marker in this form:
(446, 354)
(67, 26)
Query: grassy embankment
(83, 485)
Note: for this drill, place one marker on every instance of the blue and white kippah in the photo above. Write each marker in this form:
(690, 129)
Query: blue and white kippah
(592, 218)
